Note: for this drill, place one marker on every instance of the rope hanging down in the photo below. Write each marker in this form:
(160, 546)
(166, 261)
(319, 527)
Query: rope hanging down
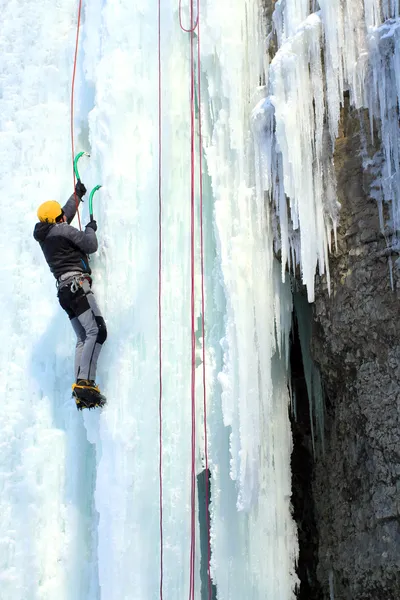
(195, 25)
(192, 312)
(72, 106)
(207, 490)
(160, 297)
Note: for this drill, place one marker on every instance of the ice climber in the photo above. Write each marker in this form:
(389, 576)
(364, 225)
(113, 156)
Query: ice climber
(66, 251)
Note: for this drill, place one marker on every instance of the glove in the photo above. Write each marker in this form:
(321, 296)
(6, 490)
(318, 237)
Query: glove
(80, 189)
(92, 225)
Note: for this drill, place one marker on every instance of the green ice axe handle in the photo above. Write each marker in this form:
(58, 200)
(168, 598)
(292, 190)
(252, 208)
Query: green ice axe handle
(91, 200)
(76, 159)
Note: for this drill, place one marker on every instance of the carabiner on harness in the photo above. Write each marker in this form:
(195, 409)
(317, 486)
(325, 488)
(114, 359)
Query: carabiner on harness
(75, 284)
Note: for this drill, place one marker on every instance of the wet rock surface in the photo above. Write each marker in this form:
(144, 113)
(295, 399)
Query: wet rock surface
(356, 342)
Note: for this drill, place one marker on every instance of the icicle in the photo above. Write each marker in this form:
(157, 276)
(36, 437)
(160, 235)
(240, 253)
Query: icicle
(383, 104)
(251, 429)
(344, 34)
(331, 586)
(288, 16)
(297, 96)
(372, 10)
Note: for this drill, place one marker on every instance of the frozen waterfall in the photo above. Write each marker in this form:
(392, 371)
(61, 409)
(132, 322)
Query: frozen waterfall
(79, 499)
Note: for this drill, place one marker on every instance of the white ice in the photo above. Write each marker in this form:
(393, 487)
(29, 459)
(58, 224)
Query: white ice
(297, 118)
(79, 502)
(80, 493)
(383, 103)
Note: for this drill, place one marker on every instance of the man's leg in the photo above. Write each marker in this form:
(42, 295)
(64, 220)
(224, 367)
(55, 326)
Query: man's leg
(88, 325)
(95, 329)
(67, 300)
(80, 341)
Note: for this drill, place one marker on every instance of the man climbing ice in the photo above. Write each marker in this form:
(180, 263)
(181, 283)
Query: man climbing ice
(65, 249)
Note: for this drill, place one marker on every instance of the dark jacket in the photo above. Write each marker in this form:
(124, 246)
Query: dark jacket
(64, 247)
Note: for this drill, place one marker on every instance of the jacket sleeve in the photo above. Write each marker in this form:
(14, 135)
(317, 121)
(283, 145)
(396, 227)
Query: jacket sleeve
(84, 240)
(69, 207)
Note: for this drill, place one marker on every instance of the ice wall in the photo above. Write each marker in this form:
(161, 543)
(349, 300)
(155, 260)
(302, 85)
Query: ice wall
(47, 468)
(94, 491)
(249, 434)
(124, 137)
(250, 445)
(80, 492)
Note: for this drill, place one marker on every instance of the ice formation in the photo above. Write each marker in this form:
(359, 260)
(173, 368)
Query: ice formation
(80, 492)
(79, 502)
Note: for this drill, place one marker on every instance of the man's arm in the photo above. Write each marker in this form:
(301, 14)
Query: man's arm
(84, 240)
(69, 207)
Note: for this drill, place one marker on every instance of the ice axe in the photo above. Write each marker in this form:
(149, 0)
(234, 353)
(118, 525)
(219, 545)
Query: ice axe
(76, 160)
(97, 187)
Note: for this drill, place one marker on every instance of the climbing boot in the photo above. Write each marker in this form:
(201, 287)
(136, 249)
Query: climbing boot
(87, 394)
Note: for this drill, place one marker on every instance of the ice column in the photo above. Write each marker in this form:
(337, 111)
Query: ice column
(250, 438)
(121, 63)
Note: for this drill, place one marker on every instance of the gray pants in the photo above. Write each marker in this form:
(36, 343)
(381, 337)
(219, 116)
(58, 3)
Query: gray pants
(89, 326)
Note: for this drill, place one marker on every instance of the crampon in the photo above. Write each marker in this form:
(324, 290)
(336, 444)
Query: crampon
(87, 396)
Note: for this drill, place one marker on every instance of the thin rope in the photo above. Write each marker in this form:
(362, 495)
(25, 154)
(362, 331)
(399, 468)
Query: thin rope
(207, 490)
(193, 27)
(192, 305)
(72, 107)
(160, 296)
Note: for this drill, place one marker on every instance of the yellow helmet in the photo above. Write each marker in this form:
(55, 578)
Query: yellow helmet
(49, 211)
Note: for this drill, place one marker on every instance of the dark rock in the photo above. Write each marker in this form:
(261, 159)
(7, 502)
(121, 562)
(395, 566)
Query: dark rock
(356, 342)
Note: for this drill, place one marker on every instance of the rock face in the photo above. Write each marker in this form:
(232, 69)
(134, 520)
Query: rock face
(356, 342)
(347, 502)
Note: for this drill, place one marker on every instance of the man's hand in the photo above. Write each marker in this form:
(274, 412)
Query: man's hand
(80, 189)
(92, 224)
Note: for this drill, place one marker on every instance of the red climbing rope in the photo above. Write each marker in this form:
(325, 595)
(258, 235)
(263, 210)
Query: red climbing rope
(192, 26)
(207, 490)
(192, 308)
(72, 106)
(160, 296)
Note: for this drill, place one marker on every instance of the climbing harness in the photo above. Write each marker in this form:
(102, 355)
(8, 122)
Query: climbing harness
(73, 278)
(75, 285)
